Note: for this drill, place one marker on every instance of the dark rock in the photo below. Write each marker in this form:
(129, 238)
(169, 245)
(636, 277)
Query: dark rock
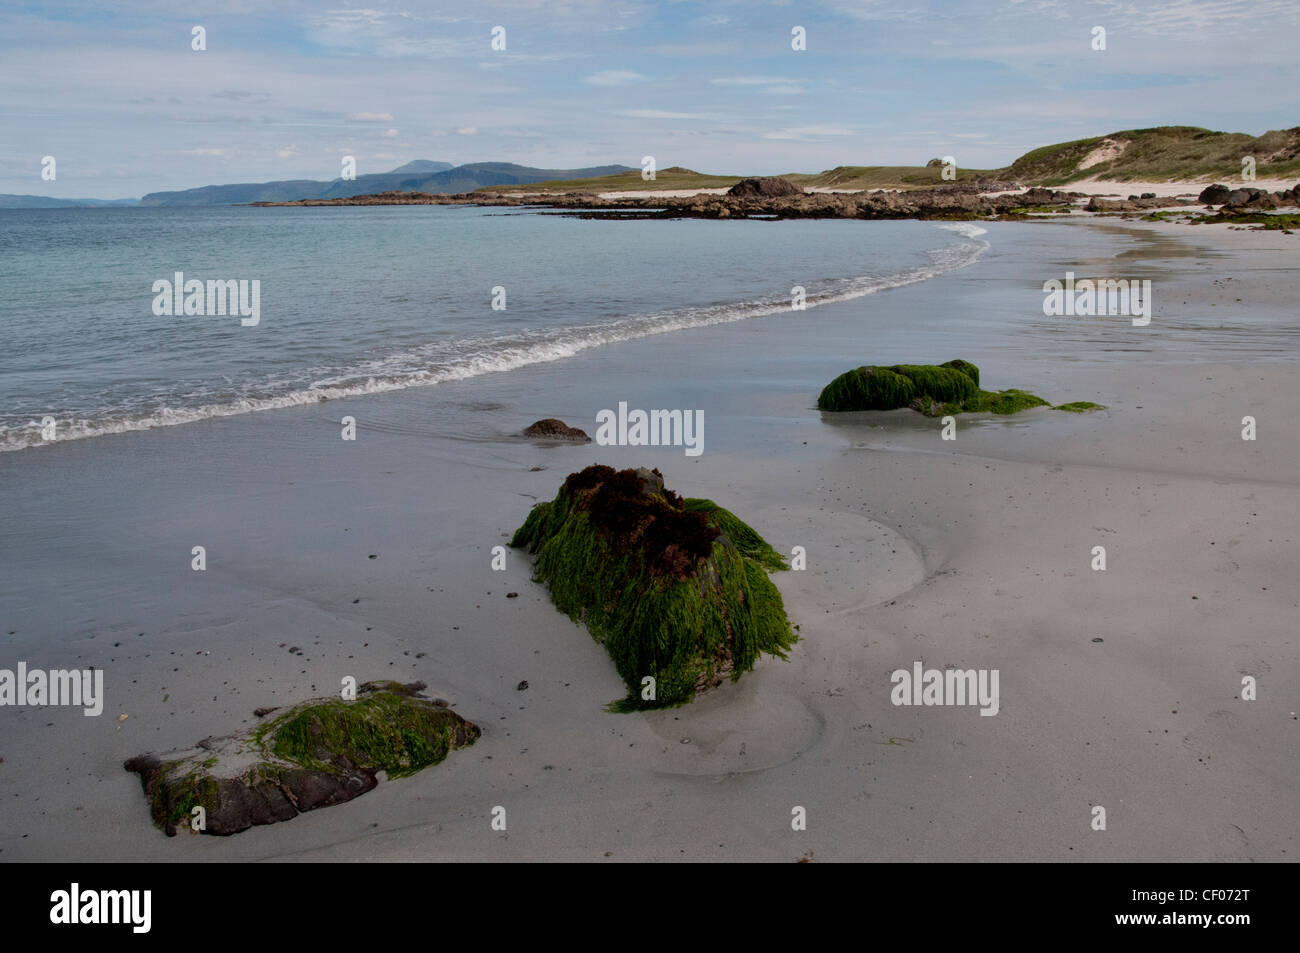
(512, 595)
(764, 187)
(552, 429)
(1214, 194)
(262, 712)
(315, 754)
(1147, 195)
(522, 686)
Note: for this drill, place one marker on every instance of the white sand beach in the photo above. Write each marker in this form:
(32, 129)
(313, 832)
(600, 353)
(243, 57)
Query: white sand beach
(1118, 688)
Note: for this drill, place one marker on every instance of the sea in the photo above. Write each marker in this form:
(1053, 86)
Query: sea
(365, 300)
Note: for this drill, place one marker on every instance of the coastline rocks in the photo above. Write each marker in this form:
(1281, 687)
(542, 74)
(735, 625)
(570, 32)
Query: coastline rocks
(551, 428)
(675, 589)
(764, 187)
(315, 754)
(1214, 194)
(934, 390)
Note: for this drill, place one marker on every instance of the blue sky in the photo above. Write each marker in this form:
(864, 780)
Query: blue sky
(285, 89)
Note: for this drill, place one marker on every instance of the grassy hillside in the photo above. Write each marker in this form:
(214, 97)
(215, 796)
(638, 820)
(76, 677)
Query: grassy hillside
(1162, 154)
(886, 177)
(672, 178)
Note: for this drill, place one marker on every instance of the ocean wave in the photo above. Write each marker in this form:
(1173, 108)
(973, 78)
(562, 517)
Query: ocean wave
(438, 363)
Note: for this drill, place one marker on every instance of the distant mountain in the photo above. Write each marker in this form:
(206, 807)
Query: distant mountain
(44, 201)
(422, 175)
(427, 166)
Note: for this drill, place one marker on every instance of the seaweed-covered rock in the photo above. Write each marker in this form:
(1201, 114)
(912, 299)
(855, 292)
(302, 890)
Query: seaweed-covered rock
(675, 589)
(552, 429)
(322, 752)
(934, 390)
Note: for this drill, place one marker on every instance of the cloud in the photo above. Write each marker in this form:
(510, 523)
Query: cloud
(808, 133)
(467, 131)
(370, 117)
(662, 114)
(614, 77)
(241, 96)
(752, 80)
(391, 133)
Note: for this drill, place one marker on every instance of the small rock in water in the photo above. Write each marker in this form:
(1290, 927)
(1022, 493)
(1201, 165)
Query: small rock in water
(522, 686)
(512, 595)
(1099, 639)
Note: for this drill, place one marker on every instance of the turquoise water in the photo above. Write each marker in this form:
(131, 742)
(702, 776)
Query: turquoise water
(367, 300)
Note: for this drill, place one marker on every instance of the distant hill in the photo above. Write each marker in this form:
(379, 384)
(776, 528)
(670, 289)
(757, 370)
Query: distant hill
(417, 176)
(1161, 154)
(44, 201)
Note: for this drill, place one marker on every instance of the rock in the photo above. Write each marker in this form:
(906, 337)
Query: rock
(764, 187)
(675, 589)
(512, 595)
(552, 429)
(316, 754)
(1147, 195)
(1214, 194)
(522, 686)
(934, 390)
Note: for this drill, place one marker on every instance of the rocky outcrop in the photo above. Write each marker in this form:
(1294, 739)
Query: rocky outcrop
(1134, 204)
(1214, 194)
(312, 755)
(763, 188)
(553, 429)
(675, 589)
(964, 201)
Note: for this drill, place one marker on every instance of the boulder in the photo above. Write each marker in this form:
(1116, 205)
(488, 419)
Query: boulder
(675, 589)
(315, 754)
(764, 188)
(551, 428)
(1214, 194)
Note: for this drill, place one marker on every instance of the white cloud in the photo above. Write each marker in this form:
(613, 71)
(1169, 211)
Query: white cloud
(370, 117)
(662, 114)
(808, 133)
(391, 133)
(614, 77)
(752, 80)
(467, 131)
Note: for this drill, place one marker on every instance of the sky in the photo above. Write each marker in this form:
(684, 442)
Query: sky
(286, 88)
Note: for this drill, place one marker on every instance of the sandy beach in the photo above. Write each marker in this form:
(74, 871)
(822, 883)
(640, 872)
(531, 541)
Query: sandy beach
(1119, 688)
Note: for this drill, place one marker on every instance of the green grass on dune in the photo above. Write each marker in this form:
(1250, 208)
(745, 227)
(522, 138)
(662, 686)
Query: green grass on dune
(674, 589)
(934, 390)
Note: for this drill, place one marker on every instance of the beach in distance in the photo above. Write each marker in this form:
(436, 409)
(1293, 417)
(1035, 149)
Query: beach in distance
(1156, 684)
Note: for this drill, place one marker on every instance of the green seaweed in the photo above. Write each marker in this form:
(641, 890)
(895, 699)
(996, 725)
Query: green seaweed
(934, 390)
(378, 731)
(674, 589)
(1080, 406)
(744, 536)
